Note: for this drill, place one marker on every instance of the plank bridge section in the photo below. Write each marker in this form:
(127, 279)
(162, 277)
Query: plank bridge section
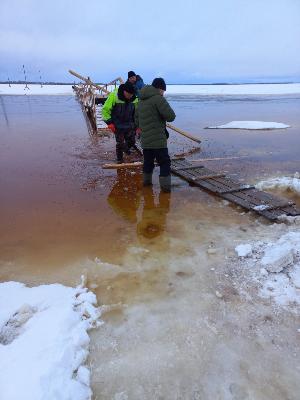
(246, 196)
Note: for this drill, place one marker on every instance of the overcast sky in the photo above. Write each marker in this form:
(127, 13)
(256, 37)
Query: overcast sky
(184, 41)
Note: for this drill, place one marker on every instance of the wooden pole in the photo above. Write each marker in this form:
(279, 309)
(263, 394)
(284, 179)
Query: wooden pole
(89, 82)
(219, 158)
(186, 134)
(114, 81)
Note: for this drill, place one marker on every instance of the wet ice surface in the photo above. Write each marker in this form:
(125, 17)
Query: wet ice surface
(184, 318)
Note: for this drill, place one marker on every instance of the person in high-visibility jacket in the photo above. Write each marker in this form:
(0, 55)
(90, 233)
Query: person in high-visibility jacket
(118, 113)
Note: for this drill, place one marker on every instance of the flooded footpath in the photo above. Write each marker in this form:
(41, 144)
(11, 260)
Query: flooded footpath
(183, 315)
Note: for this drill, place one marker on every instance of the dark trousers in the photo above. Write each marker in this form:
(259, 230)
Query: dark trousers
(161, 156)
(125, 139)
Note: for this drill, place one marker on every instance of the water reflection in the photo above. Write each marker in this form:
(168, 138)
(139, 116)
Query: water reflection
(4, 111)
(154, 216)
(138, 205)
(125, 196)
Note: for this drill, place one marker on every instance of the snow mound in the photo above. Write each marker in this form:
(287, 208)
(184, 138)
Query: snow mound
(277, 267)
(44, 341)
(250, 125)
(283, 183)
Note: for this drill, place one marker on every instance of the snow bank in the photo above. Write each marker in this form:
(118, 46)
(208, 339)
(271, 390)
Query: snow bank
(250, 125)
(44, 341)
(283, 183)
(255, 89)
(277, 267)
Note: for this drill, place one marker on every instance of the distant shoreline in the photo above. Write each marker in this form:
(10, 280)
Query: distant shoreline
(171, 84)
(177, 90)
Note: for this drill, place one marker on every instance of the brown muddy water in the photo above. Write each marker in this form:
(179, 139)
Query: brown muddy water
(155, 261)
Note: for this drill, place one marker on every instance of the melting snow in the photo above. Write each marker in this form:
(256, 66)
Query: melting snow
(44, 341)
(243, 250)
(277, 265)
(284, 183)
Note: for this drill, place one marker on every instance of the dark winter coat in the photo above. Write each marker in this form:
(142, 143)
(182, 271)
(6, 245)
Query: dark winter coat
(118, 110)
(152, 113)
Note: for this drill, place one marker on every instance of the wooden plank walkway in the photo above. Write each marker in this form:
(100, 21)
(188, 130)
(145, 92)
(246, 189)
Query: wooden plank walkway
(246, 196)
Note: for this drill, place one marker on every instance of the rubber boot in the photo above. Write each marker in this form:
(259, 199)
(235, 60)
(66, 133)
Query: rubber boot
(165, 183)
(147, 179)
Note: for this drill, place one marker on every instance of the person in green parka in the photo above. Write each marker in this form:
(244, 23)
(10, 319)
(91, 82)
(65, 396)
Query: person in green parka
(152, 113)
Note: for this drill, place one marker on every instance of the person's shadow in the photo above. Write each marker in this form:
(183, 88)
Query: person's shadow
(137, 205)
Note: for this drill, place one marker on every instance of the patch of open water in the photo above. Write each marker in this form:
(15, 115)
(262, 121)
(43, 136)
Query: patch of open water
(157, 262)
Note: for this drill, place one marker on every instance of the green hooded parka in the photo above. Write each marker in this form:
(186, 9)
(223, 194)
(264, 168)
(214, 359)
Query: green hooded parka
(152, 113)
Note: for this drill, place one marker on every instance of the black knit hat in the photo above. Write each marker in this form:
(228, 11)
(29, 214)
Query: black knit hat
(159, 83)
(128, 87)
(131, 73)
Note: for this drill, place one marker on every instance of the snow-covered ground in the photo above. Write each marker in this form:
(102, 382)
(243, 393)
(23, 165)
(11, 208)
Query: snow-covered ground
(44, 341)
(255, 89)
(214, 90)
(17, 89)
(250, 125)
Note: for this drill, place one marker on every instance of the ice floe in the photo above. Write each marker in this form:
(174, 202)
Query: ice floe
(44, 341)
(251, 125)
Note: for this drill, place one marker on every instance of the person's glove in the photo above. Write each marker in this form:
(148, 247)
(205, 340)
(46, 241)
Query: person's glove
(138, 132)
(112, 127)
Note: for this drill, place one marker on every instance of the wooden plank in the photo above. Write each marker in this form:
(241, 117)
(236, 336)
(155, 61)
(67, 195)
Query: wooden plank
(248, 199)
(204, 177)
(238, 189)
(188, 167)
(123, 165)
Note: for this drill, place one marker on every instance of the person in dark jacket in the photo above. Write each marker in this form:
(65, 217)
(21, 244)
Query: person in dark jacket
(131, 77)
(153, 111)
(118, 113)
(136, 81)
(139, 84)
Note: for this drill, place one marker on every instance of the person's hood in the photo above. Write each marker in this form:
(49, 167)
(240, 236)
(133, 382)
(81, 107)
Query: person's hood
(148, 91)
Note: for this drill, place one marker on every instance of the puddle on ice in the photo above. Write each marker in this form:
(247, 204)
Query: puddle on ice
(183, 317)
